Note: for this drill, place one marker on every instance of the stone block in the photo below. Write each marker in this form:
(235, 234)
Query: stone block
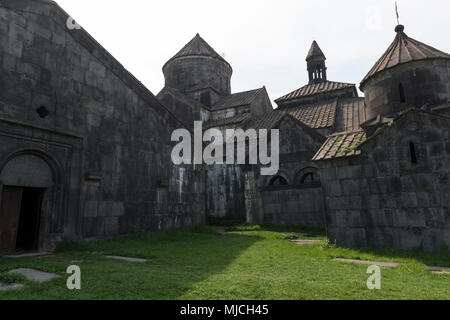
(118, 209)
(90, 209)
(112, 226)
(404, 239)
(379, 238)
(350, 187)
(349, 172)
(329, 173)
(354, 203)
(336, 203)
(38, 29)
(9, 62)
(97, 68)
(12, 47)
(409, 218)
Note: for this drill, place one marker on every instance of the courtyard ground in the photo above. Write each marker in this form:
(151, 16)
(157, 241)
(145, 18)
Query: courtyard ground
(238, 262)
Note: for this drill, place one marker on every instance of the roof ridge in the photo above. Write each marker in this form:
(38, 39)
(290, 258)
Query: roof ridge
(222, 102)
(315, 88)
(416, 51)
(99, 52)
(197, 47)
(315, 51)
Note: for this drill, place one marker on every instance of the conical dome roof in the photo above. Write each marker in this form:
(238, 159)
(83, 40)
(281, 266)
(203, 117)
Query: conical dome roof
(315, 51)
(198, 47)
(403, 50)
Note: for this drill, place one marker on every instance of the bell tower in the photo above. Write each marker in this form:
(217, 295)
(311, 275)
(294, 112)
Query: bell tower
(317, 69)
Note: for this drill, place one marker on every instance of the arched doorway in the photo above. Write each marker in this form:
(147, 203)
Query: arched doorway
(24, 180)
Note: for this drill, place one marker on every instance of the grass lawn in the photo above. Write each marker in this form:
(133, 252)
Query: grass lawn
(249, 263)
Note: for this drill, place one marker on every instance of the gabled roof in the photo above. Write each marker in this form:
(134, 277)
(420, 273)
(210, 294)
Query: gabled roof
(316, 88)
(267, 121)
(350, 114)
(237, 120)
(238, 99)
(341, 145)
(318, 115)
(347, 144)
(411, 113)
(315, 51)
(47, 9)
(403, 50)
(272, 119)
(198, 47)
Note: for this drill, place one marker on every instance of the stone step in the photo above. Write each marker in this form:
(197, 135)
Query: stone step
(127, 259)
(305, 242)
(11, 286)
(28, 255)
(35, 275)
(372, 263)
(439, 270)
(220, 230)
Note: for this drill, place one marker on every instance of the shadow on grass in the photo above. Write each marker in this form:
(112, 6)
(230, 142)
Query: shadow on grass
(178, 261)
(240, 225)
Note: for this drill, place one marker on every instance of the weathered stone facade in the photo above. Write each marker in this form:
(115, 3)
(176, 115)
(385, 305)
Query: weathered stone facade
(419, 83)
(386, 198)
(387, 184)
(96, 140)
(294, 196)
(85, 148)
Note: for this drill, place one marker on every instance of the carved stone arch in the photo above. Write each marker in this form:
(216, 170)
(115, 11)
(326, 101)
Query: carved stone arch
(308, 175)
(19, 162)
(27, 169)
(270, 180)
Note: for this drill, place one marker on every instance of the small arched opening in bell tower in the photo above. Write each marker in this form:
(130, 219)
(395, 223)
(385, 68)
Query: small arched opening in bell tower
(401, 91)
(412, 152)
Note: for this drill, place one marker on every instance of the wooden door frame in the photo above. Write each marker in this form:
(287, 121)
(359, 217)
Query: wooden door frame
(16, 217)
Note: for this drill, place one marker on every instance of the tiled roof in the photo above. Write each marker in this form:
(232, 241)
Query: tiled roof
(315, 51)
(319, 115)
(404, 49)
(240, 119)
(313, 89)
(267, 121)
(351, 114)
(238, 99)
(341, 145)
(271, 120)
(198, 47)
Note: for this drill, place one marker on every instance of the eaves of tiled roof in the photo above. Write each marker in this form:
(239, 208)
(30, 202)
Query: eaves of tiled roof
(314, 89)
(237, 99)
(240, 119)
(271, 120)
(341, 145)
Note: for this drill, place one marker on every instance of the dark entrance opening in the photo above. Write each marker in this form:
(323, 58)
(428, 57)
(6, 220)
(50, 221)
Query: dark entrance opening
(29, 221)
(20, 215)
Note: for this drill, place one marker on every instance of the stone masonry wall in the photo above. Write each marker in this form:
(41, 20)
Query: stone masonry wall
(225, 192)
(294, 206)
(294, 203)
(424, 83)
(382, 199)
(129, 182)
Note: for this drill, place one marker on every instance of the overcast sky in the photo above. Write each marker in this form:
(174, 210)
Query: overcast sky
(265, 41)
